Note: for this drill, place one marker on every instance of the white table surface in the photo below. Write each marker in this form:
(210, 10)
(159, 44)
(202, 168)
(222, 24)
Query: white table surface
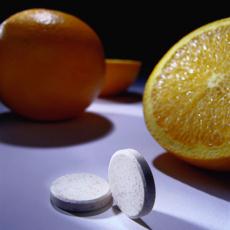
(32, 155)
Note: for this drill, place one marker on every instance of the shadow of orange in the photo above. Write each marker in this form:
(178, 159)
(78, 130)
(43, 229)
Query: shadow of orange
(213, 183)
(15, 130)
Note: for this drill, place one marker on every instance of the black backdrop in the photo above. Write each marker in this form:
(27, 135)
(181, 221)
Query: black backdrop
(142, 30)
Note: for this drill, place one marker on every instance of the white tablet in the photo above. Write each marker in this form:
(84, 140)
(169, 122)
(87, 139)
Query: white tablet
(131, 183)
(80, 192)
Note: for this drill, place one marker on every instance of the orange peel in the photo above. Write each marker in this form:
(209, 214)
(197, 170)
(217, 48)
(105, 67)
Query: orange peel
(120, 74)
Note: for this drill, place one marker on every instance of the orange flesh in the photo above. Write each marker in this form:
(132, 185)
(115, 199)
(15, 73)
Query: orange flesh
(191, 98)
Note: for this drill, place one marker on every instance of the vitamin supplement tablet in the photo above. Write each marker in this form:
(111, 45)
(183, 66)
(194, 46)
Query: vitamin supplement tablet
(131, 183)
(80, 192)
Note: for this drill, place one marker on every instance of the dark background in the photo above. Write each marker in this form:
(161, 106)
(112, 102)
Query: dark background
(142, 30)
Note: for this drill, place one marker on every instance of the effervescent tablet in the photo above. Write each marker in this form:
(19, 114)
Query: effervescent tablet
(131, 183)
(80, 192)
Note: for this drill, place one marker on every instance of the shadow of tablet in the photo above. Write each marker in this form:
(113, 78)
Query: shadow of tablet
(154, 220)
(214, 183)
(102, 213)
(161, 221)
(89, 126)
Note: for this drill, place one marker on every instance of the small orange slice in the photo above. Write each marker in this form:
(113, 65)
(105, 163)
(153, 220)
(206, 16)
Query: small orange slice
(120, 74)
(187, 97)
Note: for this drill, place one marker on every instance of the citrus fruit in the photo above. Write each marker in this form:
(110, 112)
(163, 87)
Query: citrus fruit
(119, 75)
(51, 64)
(187, 97)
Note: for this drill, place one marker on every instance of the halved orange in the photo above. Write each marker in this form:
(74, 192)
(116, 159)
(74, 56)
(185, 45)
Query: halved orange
(187, 97)
(120, 74)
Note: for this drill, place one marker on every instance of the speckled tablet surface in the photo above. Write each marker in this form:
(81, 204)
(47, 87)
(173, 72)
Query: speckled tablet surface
(131, 183)
(80, 192)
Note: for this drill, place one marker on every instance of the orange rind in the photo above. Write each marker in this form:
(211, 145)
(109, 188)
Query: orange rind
(120, 74)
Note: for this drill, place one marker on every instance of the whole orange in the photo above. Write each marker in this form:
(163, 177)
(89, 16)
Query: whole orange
(51, 64)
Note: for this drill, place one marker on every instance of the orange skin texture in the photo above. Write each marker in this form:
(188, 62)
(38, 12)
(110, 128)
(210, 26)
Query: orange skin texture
(120, 74)
(51, 64)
